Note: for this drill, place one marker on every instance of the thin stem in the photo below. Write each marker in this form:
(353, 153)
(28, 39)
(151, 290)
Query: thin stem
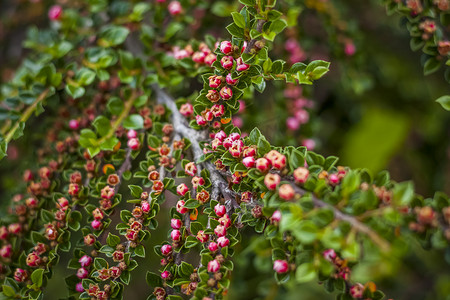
(26, 115)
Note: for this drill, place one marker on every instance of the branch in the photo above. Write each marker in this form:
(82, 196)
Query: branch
(360, 227)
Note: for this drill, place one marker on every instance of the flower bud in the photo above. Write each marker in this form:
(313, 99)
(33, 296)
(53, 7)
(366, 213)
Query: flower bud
(230, 80)
(220, 230)
(286, 192)
(227, 62)
(213, 266)
(213, 247)
(226, 47)
(262, 164)
(280, 266)
(176, 223)
(133, 144)
(220, 210)
(85, 261)
(202, 236)
(223, 241)
(55, 12)
(82, 273)
(271, 181)
(96, 225)
(226, 93)
(301, 175)
(166, 250)
(249, 162)
(174, 8)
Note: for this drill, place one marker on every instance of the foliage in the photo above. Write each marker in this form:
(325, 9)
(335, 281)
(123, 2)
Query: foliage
(142, 128)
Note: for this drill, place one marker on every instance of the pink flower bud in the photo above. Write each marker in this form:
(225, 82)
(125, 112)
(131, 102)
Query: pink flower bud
(6, 251)
(280, 266)
(213, 266)
(226, 93)
(220, 210)
(276, 216)
(350, 49)
(200, 120)
(276, 159)
(199, 57)
(20, 275)
(357, 291)
(202, 236)
(210, 59)
(133, 144)
(55, 12)
(292, 123)
(175, 235)
(240, 65)
(182, 189)
(227, 143)
(176, 223)
(220, 230)
(262, 164)
(286, 192)
(227, 62)
(223, 241)
(226, 47)
(74, 124)
(249, 162)
(310, 144)
(165, 275)
(301, 175)
(85, 261)
(230, 80)
(225, 221)
(329, 255)
(166, 250)
(215, 81)
(235, 136)
(218, 110)
(190, 169)
(174, 8)
(236, 148)
(96, 224)
(82, 273)
(145, 206)
(333, 179)
(79, 287)
(221, 135)
(180, 207)
(131, 134)
(302, 116)
(213, 247)
(271, 181)
(187, 110)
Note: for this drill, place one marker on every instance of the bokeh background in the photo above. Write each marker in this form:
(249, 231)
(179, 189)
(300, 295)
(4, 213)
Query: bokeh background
(374, 110)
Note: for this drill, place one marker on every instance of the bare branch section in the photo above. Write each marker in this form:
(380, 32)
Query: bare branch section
(220, 184)
(356, 224)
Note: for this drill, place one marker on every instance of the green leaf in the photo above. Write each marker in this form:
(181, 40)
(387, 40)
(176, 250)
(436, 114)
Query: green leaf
(235, 30)
(115, 105)
(153, 280)
(112, 35)
(100, 263)
(102, 125)
(306, 231)
(37, 277)
(431, 66)
(403, 193)
(74, 91)
(8, 291)
(136, 190)
(196, 227)
(248, 2)
(134, 121)
(112, 240)
(140, 251)
(444, 101)
(3, 148)
(238, 19)
(305, 272)
(85, 76)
